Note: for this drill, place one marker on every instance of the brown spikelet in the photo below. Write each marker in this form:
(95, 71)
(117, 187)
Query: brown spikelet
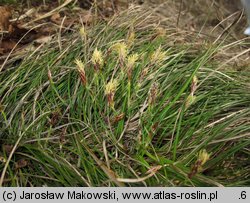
(194, 84)
(83, 78)
(49, 75)
(203, 157)
(153, 94)
(118, 118)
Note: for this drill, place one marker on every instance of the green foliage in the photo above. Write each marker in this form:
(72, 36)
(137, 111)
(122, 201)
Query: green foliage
(155, 122)
(2, 2)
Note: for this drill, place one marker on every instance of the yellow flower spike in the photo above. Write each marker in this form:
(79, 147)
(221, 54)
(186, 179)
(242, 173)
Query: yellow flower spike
(190, 100)
(82, 31)
(130, 65)
(160, 32)
(110, 90)
(195, 80)
(122, 49)
(131, 39)
(131, 60)
(158, 56)
(80, 65)
(203, 157)
(97, 58)
(111, 87)
(81, 70)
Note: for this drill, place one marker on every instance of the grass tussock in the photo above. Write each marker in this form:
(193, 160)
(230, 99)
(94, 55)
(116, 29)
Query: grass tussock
(124, 104)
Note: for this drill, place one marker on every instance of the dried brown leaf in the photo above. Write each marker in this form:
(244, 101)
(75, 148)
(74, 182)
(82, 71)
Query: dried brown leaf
(6, 14)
